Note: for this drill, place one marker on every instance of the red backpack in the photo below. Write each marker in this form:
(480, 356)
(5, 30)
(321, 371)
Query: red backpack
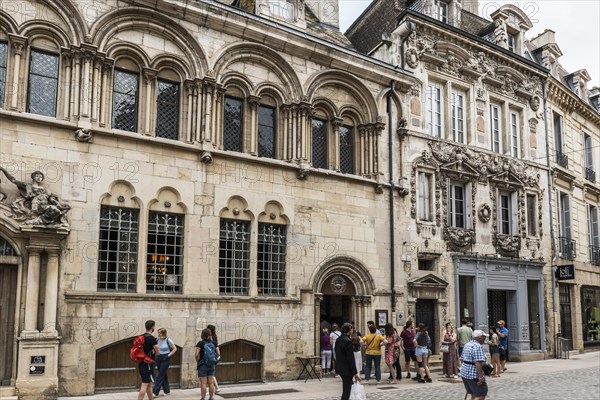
(137, 351)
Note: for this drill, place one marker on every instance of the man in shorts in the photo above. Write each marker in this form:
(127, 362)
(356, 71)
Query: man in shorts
(503, 336)
(407, 344)
(471, 371)
(147, 370)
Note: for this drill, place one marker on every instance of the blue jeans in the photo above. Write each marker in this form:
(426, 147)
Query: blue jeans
(162, 380)
(377, 360)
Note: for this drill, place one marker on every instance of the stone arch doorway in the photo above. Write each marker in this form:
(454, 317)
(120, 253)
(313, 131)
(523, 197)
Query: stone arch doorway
(9, 270)
(342, 290)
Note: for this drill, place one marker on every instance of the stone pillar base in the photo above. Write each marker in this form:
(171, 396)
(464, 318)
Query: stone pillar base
(37, 372)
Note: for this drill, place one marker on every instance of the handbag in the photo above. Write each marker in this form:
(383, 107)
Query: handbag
(444, 348)
(487, 369)
(357, 392)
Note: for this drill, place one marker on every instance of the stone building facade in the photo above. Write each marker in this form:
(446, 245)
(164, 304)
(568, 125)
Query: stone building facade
(199, 163)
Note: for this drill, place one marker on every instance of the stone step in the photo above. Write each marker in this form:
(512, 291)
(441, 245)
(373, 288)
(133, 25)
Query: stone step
(8, 392)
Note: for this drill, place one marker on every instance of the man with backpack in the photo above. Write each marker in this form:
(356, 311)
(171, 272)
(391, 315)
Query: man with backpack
(206, 356)
(146, 367)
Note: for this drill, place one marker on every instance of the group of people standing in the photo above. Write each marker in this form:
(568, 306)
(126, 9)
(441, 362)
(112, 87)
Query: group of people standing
(160, 349)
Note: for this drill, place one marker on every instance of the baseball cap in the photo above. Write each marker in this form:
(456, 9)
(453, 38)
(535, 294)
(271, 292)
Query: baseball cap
(479, 333)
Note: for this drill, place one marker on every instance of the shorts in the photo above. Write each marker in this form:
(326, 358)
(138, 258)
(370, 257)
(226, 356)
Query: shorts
(503, 354)
(460, 350)
(494, 350)
(146, 372)
(205, 370)
(474, 389)
(409, 354)
(422, 351)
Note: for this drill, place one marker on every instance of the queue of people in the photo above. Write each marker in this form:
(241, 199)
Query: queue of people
(159, 351)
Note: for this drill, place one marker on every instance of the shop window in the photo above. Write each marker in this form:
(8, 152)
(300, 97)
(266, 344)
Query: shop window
(234, 257)
(117, 262)
(590, 315)
(167, 110)
(43, 83)
(164, 266)
(125, 100)
(466, 297)
(271, 259)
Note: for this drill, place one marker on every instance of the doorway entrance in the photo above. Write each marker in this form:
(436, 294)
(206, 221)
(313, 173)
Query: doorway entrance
(241, 362)
(566, 330)
(497, 307)
(425, 314)
(8, 297)
(336, 309)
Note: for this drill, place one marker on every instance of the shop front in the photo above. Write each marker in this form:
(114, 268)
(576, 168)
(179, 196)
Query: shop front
(490, 289)
(590, 316)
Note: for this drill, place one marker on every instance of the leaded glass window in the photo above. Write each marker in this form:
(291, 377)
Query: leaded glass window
(43, 83)
(3, 56)
(266, 132)
(5, 248)
(232, 125)
(271, 259)
(164, 265)
(319, 143)
(234, 257)
(125, 99)
(167, 110)
(117, 262)
(346, 150)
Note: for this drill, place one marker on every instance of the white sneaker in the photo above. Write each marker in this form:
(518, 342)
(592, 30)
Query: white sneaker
(217, 390)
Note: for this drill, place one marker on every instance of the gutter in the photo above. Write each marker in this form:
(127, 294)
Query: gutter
(552, 234)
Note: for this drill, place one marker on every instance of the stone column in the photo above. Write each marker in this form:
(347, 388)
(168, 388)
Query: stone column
(67, 62)
(209, 126)
(107, 67)
(33, 289)
(96, 88)
(379, 126)
(217, 115)
(317, 333)
(18, 44)
(251, 144)
(305, 128)
(334, 144)
(75, 84)
(362, 150)
(88, 54)
(149, 80)
(51, 294)
(192, 97)
(285, 131)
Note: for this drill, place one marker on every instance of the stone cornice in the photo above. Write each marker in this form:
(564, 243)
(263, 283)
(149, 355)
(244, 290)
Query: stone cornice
(565, 99)
(90, 297)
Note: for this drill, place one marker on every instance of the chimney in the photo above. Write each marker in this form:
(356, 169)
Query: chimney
(327, 11)
(471, 6)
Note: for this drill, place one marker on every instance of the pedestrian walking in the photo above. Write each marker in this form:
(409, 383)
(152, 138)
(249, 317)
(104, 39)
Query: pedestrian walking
(345, 366)
(373, 342)
(503, 335)
(146, 370)
(390, 351)
(206, 357)
(215, 340)
(465, 334)
(450, 356)
(333, 337)
(408, 347)
(325, 351)
(422, 343)
(166, 349)
(495, 352)
(471, 372)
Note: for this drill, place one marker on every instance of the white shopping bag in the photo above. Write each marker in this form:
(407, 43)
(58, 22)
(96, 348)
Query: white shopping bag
(358, 392)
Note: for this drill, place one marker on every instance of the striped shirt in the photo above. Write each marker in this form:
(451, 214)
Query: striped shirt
(472, 353)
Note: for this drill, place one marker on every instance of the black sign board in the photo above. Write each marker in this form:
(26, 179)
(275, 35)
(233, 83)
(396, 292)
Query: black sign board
(36, 370)
(565, 272)
(38, 359)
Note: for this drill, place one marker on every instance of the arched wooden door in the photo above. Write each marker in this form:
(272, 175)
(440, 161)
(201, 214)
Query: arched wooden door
(8, 298)
(115, 370)
(241, 361)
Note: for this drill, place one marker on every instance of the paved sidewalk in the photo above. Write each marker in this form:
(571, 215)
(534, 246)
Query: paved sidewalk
(576, 378)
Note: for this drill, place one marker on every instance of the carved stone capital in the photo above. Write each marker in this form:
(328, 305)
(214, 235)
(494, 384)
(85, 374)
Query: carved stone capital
(253, 101)
(149, 75)
(88, 52)
(336, 122)
(17, 44)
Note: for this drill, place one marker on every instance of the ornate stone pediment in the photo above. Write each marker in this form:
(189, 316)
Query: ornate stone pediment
(429, 280)
(429, 286)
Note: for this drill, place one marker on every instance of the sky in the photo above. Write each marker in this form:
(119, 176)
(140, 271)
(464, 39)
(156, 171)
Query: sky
(574, 21)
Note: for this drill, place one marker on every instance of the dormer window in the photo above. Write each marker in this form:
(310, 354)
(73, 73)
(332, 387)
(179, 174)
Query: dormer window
(283, 9)
(440, 11)
(512, 42)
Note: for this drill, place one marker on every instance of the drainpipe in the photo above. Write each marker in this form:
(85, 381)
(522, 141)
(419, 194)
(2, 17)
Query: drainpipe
(550, 192)
(391, 195)
(405, 30)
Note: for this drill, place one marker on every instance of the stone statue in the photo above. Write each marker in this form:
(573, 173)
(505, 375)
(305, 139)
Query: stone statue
(500, 34)
(36, 206)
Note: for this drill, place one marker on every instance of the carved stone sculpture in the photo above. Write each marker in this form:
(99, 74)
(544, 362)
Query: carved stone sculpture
(508, 245)
(206, 157)
(500, 34)
(459, 239)
(484, 213)
(36, 206)
(84, 135)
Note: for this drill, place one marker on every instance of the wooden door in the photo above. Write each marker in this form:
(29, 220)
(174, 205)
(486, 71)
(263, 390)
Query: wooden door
(425, 314)
(8, 297)
(115, 370)
(241, 361)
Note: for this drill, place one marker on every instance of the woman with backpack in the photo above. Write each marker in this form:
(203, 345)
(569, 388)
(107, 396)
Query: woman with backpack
(422, 342)
(206, 356)
(215, 340)
(163, 359)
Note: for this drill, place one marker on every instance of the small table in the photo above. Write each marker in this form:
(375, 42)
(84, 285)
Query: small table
(308, 365)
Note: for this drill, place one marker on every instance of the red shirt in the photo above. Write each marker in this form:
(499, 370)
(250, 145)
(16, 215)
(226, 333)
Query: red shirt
(407, 339)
